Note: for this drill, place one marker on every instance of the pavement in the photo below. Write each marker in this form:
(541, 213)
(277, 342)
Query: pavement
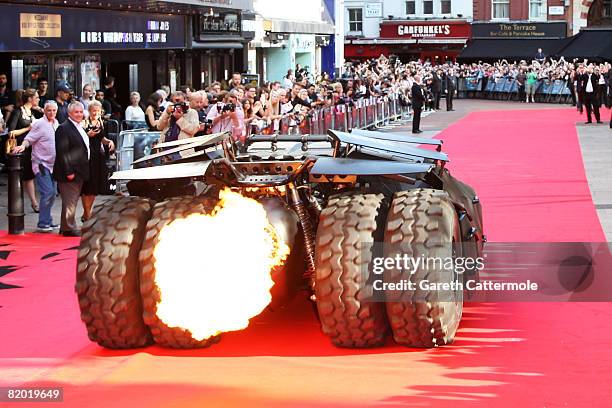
(595, 141)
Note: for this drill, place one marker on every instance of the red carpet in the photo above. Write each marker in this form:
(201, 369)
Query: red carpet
(527, 169)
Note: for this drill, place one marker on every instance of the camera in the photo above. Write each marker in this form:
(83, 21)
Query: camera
(181, 107)
(230, 107)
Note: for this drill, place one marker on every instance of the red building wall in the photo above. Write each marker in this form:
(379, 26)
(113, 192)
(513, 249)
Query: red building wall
(519, 10)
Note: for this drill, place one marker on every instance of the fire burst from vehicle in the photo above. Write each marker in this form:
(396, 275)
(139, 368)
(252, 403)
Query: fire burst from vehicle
(214, 270)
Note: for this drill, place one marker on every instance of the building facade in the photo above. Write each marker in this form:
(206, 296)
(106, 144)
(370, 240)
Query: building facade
(435, 30)
(286, 36)
(143, 45)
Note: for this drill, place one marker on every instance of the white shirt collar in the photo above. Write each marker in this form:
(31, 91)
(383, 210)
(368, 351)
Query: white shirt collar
(83, 134)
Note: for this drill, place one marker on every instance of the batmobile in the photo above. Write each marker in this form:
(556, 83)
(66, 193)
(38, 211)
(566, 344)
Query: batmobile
(331, 197)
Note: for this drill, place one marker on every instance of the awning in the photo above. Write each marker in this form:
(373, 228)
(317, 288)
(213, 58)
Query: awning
(197, 45)
(595, 44)
(510, 49)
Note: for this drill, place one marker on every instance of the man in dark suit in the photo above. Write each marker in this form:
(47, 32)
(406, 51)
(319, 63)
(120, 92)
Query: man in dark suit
(418, 98)
(450, 85)
(588, 86)
(436, 88)
(71, 167)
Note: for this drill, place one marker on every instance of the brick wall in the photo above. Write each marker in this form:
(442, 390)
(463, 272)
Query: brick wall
(519, 10)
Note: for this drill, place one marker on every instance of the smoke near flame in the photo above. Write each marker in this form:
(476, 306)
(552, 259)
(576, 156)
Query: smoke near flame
(214, 270)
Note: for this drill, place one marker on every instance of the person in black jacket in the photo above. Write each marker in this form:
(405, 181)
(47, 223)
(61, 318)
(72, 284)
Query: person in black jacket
(436, 88)
(588, 85)
(450, 86)
(418, 99)
(71, 167)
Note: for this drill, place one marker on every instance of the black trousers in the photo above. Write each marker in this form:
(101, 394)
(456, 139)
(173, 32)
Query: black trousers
(449, 100)
(592, 105)
(521, 93)
(437, 97)
(416, 118)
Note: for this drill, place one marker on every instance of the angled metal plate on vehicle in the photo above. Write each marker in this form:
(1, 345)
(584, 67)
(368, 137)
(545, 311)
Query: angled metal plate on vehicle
(396, 137)
(169, 171)
(386, 145)
(341, 167)
(201, 140)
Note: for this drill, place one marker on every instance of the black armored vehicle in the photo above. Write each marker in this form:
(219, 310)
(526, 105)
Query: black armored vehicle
(329, 200)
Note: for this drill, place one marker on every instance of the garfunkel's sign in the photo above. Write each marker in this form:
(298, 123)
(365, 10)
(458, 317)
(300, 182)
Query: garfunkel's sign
(425, 29)
(519, 30)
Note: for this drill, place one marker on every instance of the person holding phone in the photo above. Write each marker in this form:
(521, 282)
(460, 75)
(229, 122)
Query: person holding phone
(98, 173)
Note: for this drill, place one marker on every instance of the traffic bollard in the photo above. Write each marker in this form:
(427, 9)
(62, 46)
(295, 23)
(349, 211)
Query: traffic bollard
(16, 213)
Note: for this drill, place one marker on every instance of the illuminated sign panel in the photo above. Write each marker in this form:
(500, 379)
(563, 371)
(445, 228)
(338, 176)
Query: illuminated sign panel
(32, 28)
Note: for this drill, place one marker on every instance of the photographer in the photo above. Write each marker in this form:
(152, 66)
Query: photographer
(223, 115)
(197, 102)
(177, 122)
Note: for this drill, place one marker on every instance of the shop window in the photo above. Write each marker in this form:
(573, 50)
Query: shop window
(537, 10)
(500, 9)
(34, 67)
(428, 7)
(65, 72)
(410, 7)
(445, 7)
(17, 74)
(355, 20)
(90, 71)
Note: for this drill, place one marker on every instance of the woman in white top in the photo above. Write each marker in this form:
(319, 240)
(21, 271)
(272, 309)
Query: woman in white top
(134, 112)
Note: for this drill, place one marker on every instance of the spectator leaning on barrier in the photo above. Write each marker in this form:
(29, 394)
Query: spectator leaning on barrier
(134, 112)
(41, 139)
(531, 85)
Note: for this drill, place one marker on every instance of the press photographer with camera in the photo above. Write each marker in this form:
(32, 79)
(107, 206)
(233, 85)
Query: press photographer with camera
(178, 122)
(223, 114)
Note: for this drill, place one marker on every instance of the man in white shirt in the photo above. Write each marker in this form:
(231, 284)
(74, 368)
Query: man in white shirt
(589, 83)
(71, 168)
(42, 139)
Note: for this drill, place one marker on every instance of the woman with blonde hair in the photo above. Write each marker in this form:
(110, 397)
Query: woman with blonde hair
(134, 112)
(98, 173)
(21, 122)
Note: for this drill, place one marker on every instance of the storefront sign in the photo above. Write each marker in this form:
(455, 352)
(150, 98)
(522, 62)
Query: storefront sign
(219, 22)
(519, 30)
(34, 28)
(373, 9)
(40, 25)
(425, 29)
(303, 42)
(556, 10)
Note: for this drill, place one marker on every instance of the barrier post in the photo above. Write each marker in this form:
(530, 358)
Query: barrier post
(16, 212)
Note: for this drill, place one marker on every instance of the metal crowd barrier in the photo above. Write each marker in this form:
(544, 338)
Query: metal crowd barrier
(557, 91)
(371, 113)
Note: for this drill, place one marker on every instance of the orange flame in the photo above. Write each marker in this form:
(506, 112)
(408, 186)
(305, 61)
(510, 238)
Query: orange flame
(214, 270)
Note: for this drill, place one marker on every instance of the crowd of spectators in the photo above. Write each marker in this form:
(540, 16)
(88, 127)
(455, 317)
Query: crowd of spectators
(32, 117)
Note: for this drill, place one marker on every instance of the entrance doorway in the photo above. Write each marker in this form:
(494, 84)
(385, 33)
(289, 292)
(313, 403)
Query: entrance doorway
(121, 72)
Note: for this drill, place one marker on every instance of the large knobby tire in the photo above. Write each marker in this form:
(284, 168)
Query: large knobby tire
(163, 214)
(107, 281)
(423, 222)
(347, 312)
